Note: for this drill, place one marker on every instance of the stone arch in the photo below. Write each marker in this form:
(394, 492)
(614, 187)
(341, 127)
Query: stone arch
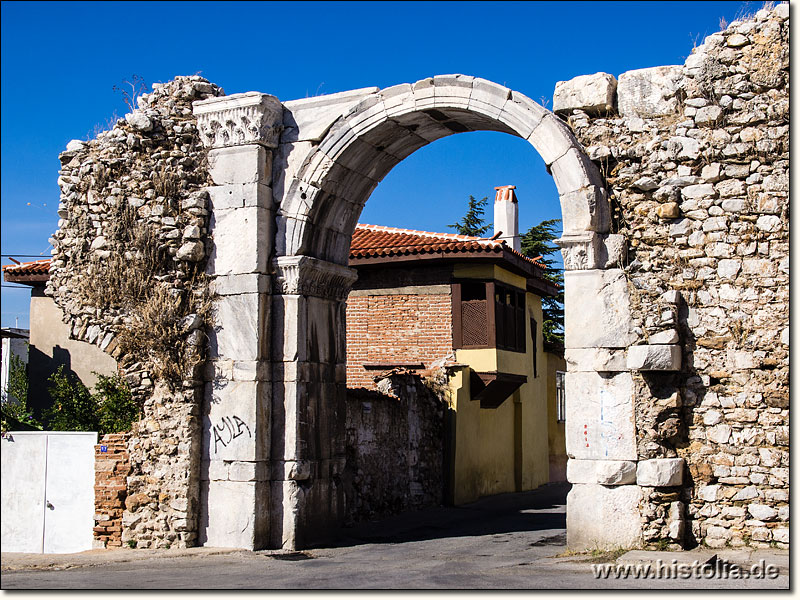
(291, 180)
(324, 198)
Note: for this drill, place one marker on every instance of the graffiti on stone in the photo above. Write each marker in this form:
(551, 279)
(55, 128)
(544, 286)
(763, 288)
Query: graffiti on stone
(228, 429)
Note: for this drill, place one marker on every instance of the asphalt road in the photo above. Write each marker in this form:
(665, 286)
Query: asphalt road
(504, 542)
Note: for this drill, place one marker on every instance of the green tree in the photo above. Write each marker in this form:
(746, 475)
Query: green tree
(118, 411)
(109, 410)
(538, 242)
(15, 411)
(473, 222)
(74, 408)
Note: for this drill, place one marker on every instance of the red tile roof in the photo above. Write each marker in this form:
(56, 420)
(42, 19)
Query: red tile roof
(372, 241)
(37, 270)
(368, 241)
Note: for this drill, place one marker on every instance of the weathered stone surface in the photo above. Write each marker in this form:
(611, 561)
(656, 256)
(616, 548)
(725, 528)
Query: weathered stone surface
(603, 517)
(604, 472)
(593, 94)
(648, 92)
(666, 357)
(603, 324)
(660, 472)
(605, 416)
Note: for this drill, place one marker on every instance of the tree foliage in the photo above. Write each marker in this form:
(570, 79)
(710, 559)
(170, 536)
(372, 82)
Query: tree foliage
(109, 410)
(538, 242)
(15, 411)
(473, 223)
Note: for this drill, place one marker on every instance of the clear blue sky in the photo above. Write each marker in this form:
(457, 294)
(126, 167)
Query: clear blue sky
(60, 61)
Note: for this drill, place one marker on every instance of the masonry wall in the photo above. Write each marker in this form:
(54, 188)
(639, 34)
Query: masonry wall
(127, 274)
(696, 157)
(389, 327)
(395, 448)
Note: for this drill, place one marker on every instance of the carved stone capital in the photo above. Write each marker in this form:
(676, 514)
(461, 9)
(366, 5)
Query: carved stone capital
(580, 252)
(308, 276)
(590, 250)
(249, 118)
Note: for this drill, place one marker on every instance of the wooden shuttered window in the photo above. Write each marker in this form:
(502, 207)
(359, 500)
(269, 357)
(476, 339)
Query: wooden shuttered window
(488, 315)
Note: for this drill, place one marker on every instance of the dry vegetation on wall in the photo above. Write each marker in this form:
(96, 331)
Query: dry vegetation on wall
(128, 273)
(129, 263)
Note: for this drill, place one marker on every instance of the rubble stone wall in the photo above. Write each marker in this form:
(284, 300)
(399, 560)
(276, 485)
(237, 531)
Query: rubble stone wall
(128, 274)
(696, 158)
(394, 448)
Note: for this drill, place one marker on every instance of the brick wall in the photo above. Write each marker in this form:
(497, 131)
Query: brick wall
(399, 327)
(112, 468)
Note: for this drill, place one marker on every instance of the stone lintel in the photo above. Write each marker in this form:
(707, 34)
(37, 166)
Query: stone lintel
(248, 118)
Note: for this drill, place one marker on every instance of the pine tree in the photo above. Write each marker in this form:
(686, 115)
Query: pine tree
(473, 222)
(538, 242)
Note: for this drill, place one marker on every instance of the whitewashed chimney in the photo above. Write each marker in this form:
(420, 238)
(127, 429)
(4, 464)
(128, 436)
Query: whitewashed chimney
(506, 216)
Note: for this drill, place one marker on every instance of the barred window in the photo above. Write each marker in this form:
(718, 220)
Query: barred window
(561, 398)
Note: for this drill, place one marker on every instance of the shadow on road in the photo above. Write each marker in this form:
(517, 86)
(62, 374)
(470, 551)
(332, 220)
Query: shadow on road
(542, 509)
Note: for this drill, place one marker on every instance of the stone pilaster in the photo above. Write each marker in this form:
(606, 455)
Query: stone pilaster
(309, 382)
(242, 131)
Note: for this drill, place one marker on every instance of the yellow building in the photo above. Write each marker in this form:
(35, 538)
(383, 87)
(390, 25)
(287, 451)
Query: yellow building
(473, 306)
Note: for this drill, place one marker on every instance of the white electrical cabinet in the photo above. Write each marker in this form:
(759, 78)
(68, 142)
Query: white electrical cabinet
(47, 491)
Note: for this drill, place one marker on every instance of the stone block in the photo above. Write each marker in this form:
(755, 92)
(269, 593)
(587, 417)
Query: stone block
(595, 359)
(603, 517)
(668, 336)
(240, 164)
(238, 333)
(244, 283)
(234, 514)
(584, 209)
(248, 471)
(593, 94)
(648, 92)
(605, 322)
(552, 139)
(572, 172)
(581, 471)
(601, 410)
(242, 239)
(236, 420)
(289, 328)
(762, 512)
(660, 472)
(615, 472)
(652, 357)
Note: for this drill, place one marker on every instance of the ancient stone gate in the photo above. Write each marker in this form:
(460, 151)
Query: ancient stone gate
(674, 193)
(291, 181)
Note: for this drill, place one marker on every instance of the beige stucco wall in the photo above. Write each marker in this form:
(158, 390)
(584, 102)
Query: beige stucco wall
(51, 346)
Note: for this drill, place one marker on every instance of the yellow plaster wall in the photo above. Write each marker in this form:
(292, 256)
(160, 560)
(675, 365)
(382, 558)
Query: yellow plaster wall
(556, 436)
(503, 449)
